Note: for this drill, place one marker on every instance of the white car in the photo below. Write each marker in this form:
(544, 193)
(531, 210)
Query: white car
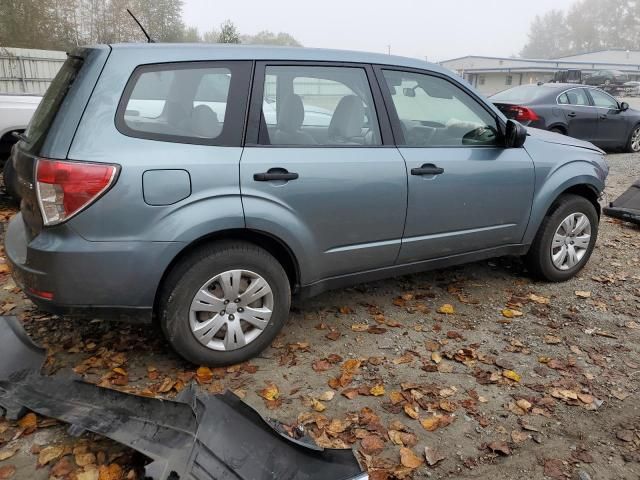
(15, 114)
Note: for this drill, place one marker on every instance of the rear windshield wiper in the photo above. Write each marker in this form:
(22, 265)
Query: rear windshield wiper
(20, 136)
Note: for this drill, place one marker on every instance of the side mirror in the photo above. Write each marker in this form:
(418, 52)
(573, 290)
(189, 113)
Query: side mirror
(515, 135)
(624, 106)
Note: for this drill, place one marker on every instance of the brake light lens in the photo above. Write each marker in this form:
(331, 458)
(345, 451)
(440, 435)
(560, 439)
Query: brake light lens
(66, 188)
(522, 114)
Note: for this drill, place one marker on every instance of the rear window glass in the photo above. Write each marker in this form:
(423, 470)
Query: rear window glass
(523, 94)
(184, 102)
(52, 100)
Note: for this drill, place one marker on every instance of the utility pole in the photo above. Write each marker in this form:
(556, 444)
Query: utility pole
(389, 49)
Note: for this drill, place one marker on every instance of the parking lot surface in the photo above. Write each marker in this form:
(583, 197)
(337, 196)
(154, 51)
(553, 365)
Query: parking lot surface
(493, 375)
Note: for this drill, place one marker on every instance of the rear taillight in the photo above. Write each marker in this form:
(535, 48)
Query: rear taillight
(66, 188)
(522, 114)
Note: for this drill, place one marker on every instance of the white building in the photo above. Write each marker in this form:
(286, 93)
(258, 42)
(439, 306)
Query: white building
(494, 74)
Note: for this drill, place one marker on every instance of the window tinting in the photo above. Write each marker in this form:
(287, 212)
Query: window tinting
(601, 99)
(309, 105)
(185, 103)
(434, 112)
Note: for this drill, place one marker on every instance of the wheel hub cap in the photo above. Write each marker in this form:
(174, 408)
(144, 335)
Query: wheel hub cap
(231, 310)
(635, 140)
(571, 241)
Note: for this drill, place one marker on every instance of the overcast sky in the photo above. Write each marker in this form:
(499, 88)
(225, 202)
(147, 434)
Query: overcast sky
(437, 29)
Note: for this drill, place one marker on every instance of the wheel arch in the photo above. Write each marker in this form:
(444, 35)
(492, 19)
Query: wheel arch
(7, 140)
(275, 246)
(559, 126)
(583, 186)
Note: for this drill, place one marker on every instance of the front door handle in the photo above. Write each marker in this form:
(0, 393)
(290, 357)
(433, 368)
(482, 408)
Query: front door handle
(275, 174)
(427, 169)
(603, 117)
(572, 114)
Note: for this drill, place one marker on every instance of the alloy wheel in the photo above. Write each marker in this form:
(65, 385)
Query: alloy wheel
(231, 310)
(571, 241)
(635, 140)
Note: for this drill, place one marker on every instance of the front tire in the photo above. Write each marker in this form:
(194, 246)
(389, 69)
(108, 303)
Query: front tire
(224, 303)
(633, 143)
(565, 240)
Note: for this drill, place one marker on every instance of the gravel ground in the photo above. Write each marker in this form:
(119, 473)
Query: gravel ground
(520, 379)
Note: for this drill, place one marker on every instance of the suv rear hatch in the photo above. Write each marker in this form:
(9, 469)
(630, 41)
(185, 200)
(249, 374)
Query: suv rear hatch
(54, 124)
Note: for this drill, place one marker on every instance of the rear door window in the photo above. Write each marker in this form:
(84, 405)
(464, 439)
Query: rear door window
(577, 97)
(316, 105)
(202, 103)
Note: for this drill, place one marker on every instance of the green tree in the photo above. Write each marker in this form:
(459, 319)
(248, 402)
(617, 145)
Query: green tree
(228, 33)
(266, 37)
(548, 36)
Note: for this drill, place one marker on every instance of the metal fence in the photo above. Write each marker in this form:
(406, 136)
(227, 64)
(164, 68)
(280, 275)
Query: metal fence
(25, 71)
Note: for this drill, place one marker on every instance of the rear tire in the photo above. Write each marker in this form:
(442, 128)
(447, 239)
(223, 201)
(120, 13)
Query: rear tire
(10, 180)
(545, 258)
(209, 328)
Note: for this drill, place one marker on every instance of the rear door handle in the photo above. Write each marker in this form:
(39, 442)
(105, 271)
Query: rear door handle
(603, 117)
(275, 174)
(572, 114)
(427, 169)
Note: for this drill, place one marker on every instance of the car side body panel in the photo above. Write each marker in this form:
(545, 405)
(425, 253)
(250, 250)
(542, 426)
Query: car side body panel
(557, 168)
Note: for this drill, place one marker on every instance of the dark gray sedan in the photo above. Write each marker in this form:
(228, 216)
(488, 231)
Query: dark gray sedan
(579, 111)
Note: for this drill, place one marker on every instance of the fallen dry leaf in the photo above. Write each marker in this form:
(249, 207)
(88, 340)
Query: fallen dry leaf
(327, 396)
(270, 393)
(360, 327)
(7, 454)
(433, 456)
(84, 459)
(49, 454)
(511, 375)
(436, 357)
(110, 472)
(518, 436)
(372, 444)
(62, 468)
(510, 313)
(7, 472)
(583, 294)
(446, 309)
(539, 299)
(500, 447)
(409, 459)
(377, 390)
(204, 375)
(317, 405)
(411, 411)
(28, 422)
(403, 439)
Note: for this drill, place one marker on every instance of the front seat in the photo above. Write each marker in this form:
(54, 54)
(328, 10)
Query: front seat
(347, 121)
(290, 120)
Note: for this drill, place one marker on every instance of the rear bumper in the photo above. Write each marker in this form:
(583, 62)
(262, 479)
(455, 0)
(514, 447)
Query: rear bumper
(63, 273)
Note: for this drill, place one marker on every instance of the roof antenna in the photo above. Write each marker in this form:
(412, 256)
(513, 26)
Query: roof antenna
(149, 39)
